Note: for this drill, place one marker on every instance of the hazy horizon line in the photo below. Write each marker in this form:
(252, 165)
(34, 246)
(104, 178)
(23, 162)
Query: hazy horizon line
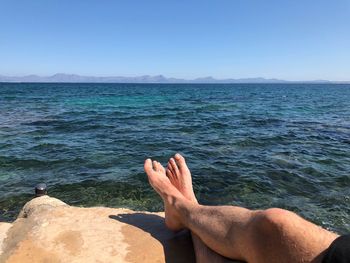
(76, 78)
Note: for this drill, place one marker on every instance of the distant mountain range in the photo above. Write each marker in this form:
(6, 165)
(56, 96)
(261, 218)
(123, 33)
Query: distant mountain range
(73, 78)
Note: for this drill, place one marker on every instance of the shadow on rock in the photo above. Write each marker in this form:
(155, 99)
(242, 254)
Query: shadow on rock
(177, 247)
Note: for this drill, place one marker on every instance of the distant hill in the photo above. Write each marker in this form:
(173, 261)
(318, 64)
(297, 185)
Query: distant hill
(73, 78)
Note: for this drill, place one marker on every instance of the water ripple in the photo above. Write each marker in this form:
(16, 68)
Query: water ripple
(252, 145)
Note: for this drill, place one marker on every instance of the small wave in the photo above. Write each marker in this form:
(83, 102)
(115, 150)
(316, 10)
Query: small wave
(17, 163)
(45, 123)
(46, 146)
(263, 122)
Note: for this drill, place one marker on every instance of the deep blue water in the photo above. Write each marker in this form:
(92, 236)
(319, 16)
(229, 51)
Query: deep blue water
(255, 145)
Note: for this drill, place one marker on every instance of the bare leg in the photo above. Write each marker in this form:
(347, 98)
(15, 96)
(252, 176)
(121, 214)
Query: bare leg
(180, 176)
(238, 233)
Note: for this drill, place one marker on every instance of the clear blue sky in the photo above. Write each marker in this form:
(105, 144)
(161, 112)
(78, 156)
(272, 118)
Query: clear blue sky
(287, 39)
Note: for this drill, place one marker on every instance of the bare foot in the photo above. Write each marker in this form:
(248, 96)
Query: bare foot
(180, 176)
(162, 185)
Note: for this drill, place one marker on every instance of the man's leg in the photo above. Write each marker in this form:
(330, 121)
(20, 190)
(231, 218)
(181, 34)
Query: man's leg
(273, 235)
(180, 176)
(204, 254)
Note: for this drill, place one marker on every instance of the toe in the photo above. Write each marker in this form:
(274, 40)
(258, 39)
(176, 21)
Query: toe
(180, 161)
(170, 167)
(179, 157)
(148, 166)
(155, 166)
(174, 166)
(169, 174)
(160, 167)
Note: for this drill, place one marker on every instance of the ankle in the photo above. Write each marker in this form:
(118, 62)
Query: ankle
(184, 209)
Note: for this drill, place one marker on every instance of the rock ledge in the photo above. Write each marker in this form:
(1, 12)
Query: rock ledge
(48, 230)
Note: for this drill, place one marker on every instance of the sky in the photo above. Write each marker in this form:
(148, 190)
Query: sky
(285, 39)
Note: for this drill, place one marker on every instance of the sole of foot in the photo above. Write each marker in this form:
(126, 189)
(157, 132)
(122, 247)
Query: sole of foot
(170, 195)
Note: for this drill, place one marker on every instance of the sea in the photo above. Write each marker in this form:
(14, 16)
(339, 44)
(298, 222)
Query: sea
(250, 145)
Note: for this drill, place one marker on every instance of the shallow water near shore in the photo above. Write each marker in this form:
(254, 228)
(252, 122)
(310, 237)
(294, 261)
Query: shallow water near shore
(255, 145)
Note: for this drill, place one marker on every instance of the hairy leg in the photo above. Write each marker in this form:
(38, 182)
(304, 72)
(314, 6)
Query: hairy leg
(256, 236)
(239, 233)
(180, 176)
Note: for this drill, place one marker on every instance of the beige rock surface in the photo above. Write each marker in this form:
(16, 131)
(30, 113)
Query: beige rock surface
(4, 227)
(48, 230)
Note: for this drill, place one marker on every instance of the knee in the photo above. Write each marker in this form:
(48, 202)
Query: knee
(276, 216)
(273, 220)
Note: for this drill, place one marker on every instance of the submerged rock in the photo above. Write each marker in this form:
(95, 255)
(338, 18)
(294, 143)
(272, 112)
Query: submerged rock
(48, 230)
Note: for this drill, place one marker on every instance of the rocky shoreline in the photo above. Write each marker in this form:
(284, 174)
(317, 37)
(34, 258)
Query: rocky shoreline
(49, 230)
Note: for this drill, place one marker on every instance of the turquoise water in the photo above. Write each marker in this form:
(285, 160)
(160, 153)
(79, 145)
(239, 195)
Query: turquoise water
(255, 145)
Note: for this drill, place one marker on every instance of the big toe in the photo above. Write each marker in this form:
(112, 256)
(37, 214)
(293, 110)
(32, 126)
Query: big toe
(148, 166)
(180, 160)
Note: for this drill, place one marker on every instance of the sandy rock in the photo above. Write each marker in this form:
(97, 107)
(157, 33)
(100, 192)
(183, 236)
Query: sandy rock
(4, 227)
(48, 230)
